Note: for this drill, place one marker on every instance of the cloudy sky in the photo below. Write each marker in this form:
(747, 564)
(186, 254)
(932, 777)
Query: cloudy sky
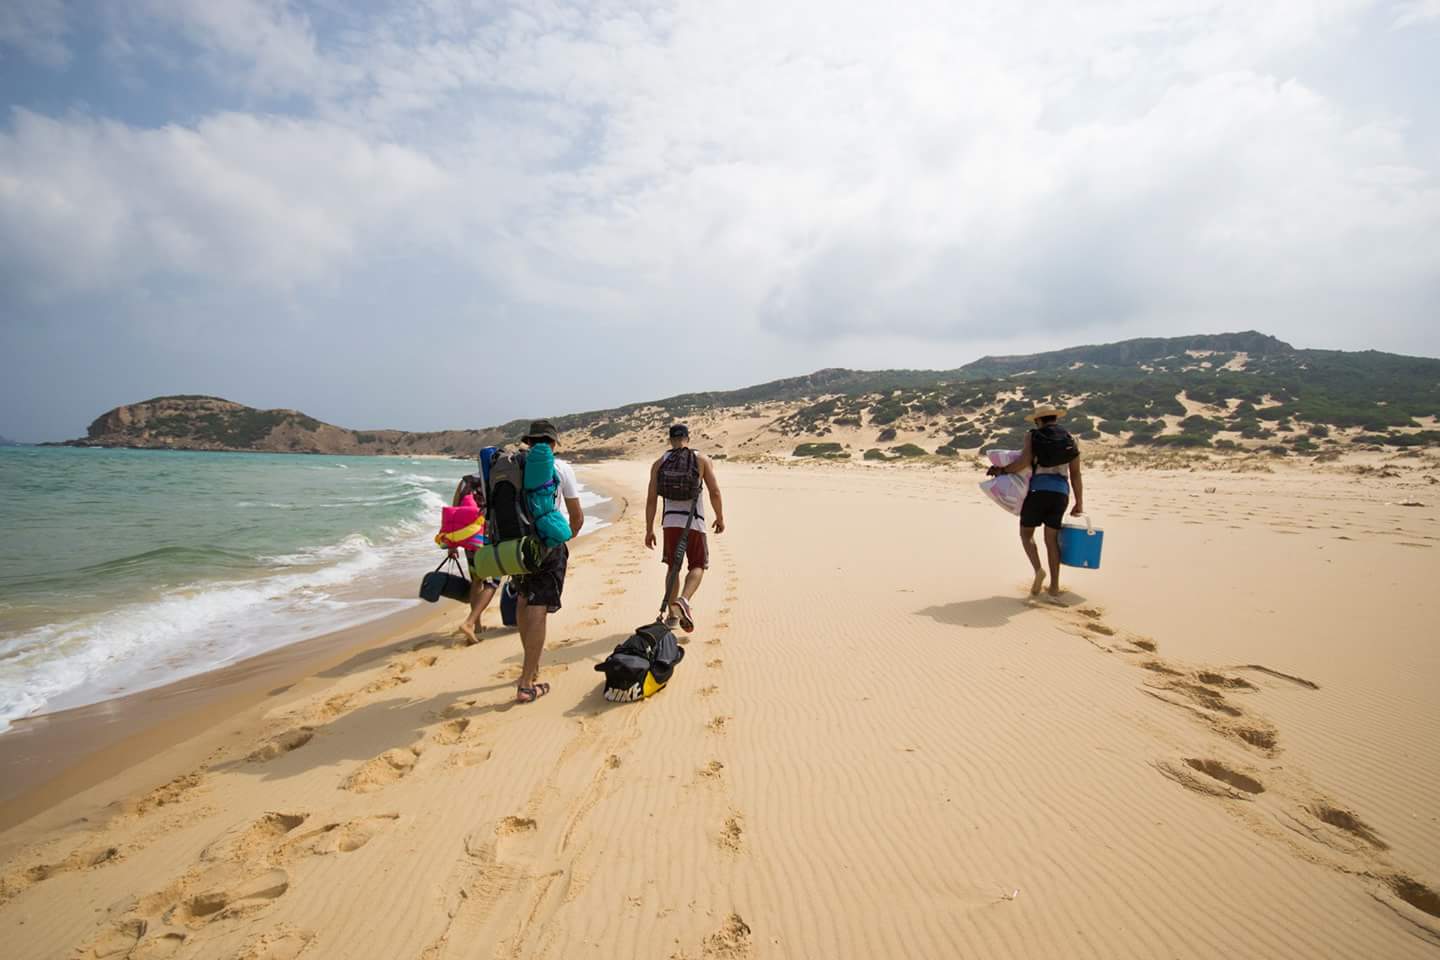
(442, 213)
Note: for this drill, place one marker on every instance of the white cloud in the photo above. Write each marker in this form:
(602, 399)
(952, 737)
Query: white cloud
(35, 28)
(938, 170)
(1409, 13)
(90, 204)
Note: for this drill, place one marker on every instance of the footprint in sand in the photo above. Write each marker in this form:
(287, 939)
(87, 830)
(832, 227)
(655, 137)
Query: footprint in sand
(717, 724)
(1213, 778)
(457, 708)
(715, 664)
(174, 792)
(379, 772)
(385, 683)
(451, 732)
(1415, 893)
(281, 744)
(732, 834)
(250, 841)
(117, 940)
(277, 945)
(712, 772)
(512, 825)
(1348, 822)
(730, 942)
(86, 858)
(1203, 696)
(1221, 680)
(708, 691)
(331, 838)
(228, 894)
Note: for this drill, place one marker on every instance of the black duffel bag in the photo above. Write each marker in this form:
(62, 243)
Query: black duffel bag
(442, 583)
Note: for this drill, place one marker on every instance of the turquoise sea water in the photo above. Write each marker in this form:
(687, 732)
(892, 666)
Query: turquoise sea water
(125, 569)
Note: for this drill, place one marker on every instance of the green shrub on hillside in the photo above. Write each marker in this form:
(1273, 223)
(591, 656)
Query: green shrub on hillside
(824, 451)
(874, 454)
(909, 450)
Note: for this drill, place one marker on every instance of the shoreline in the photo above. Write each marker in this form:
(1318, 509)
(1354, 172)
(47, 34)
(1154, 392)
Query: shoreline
(48, 758)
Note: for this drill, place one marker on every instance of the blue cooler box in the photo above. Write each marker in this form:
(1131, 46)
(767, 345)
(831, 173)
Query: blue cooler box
(508, 604)
(1080, 545)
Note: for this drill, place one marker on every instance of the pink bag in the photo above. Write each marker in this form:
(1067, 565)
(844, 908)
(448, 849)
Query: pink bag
(1008, 489)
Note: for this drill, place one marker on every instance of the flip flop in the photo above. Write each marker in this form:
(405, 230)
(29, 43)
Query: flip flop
(687, 622)
(531, 694)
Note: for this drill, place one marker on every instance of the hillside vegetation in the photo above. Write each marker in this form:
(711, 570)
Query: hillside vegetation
(1224, 391)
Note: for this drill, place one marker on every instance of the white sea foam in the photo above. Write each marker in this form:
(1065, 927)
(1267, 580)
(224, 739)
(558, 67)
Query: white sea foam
(203, 626)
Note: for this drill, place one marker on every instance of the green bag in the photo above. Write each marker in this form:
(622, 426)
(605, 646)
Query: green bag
(509, 559)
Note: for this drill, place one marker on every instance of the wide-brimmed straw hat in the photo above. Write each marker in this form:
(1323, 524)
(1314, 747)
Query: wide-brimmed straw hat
(1045, 410)
(541, 431)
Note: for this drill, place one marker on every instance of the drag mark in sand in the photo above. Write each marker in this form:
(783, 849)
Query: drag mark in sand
(1298, 681)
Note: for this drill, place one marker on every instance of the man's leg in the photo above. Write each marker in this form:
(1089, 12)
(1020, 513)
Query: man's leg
(531, 621)
(1052, 554)
(480, 596)
(1027, 540)
(697, 557)
(693, 576)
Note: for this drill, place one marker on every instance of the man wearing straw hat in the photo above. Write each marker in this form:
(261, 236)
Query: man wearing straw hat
(1054, 459)
(538, 594)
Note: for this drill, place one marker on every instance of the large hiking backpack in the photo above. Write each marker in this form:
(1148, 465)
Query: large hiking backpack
(642, 665)
(1053, 446)
(679, 477)
(506, 514)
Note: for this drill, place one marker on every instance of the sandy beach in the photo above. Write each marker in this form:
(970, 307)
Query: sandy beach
(1223, 743)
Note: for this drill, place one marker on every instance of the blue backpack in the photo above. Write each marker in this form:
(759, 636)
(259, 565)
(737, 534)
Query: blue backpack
(541, 482)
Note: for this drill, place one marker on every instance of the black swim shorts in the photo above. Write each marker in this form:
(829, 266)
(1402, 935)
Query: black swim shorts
(1044, 507)
(543, 587)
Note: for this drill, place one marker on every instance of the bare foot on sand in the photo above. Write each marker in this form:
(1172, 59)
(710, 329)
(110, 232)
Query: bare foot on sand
(469, 633)
(1039, 582)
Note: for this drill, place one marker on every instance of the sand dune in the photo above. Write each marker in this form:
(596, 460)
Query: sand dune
(1223, 744)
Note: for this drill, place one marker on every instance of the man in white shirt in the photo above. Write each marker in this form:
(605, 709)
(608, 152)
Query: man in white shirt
(538, 594)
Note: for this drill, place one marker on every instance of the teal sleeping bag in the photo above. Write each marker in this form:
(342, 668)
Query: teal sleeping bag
(541, 482)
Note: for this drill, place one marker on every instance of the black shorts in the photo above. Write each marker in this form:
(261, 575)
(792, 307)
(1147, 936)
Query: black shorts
(543, 587)
(1044, 507)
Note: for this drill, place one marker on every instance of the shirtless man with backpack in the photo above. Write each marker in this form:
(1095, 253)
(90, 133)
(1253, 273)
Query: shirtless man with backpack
(680, 477)
(1055, 458)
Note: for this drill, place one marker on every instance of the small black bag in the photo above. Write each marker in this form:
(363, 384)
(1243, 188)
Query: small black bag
(442, 583)
(1053, 446)
(642, 665)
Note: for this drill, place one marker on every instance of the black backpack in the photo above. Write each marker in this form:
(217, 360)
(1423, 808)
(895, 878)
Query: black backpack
(1053, 446)
(642, 665)
(679, 477)
(506, 516)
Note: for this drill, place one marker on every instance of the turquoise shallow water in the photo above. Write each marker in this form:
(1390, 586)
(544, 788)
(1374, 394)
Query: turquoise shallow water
(125, 569)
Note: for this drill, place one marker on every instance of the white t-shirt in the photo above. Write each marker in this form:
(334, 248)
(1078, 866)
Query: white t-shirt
(676, 513)
(569, 488)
